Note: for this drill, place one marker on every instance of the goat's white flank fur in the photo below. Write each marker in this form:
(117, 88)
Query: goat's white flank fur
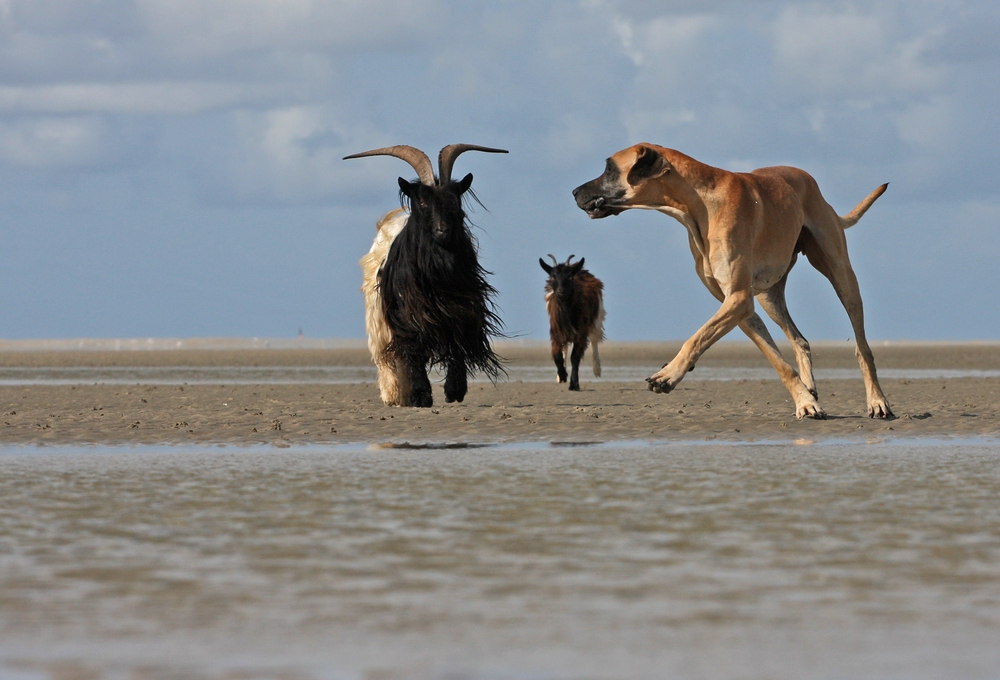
(393, 379)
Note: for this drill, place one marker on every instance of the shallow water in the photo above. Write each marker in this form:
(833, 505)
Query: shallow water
(331, 375)
(845, 560)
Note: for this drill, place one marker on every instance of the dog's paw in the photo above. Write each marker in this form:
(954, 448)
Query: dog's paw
(879, 408)
(658, 386)
(668, 377)
(813, 410)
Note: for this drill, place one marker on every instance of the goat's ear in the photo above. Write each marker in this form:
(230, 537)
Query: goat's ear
(464, 184)
(579, 265)
(648, 164)
(406, 188)
(546, 267)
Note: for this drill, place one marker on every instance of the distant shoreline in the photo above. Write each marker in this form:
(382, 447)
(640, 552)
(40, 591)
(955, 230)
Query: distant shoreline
(306, 343)
(739, 410)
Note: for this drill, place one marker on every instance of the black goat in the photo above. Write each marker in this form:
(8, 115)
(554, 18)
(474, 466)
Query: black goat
(574, 299)
(427, 298)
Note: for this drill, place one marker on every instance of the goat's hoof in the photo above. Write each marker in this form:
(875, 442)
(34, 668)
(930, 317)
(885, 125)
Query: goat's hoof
(422, 400)
(574, 387)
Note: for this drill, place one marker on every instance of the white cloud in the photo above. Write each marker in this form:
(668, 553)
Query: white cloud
(847, 53)
(61, 142)
(295, 154)
(571, 137)
(666, 42)
(928, 124)
(171, 98)
(198, 28)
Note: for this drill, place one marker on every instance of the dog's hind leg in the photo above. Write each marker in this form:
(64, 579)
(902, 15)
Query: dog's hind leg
(829, 256)
(773, 302)
(805, 399)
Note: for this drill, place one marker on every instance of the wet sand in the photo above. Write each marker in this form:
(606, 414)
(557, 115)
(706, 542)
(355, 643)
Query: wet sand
(604, 410)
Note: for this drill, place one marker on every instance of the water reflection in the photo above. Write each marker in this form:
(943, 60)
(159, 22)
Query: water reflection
(778, 561)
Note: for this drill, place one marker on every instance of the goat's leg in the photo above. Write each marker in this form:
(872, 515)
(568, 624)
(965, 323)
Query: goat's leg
(579, 347)
(557, 357)
(456, 382)
(420, 385)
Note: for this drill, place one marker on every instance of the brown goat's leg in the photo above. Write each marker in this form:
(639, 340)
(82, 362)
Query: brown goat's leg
(579, 347)
(557, 357)
(456, 382)
(420, 385)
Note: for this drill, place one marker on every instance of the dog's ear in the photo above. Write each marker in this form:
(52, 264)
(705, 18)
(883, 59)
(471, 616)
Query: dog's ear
(648, 164)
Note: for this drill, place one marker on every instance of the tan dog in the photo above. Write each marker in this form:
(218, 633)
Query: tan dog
(745, 231)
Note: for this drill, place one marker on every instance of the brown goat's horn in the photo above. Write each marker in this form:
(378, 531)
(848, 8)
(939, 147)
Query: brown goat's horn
(569, 258)
(554, 260)
(412, 155)
(446, 159)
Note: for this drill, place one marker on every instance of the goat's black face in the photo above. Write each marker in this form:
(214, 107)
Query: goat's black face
(562, 277)
(437, 209)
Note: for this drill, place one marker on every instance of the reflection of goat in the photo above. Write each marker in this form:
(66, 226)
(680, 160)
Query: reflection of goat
(426, 296)
(574, 299)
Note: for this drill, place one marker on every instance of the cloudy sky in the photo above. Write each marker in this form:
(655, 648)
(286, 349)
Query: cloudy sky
(172, 167)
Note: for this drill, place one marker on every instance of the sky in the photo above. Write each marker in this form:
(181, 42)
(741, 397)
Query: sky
(172, 168)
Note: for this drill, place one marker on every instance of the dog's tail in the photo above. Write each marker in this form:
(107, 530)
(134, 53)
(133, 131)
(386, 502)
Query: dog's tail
(850, 219)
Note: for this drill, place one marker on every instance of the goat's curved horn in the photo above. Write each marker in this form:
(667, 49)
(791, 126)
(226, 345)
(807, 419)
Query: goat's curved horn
(412, 155)
(446, 159)
(569, 258)
(554, 261)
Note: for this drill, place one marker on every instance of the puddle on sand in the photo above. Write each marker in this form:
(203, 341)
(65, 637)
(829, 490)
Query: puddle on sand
(560, 559)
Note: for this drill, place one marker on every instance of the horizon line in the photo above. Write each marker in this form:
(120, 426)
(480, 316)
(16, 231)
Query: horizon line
(261, 343)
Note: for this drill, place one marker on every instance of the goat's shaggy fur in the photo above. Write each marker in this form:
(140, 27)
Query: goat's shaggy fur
(427, 300)
(393, 383)
(574, 299)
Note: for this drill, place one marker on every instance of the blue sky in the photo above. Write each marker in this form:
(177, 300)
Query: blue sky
(173, 167)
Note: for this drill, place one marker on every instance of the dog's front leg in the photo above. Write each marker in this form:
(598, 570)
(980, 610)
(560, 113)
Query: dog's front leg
(805, 400)
(736, 307)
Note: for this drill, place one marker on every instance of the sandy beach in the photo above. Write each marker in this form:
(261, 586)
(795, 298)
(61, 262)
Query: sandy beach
(58, 413)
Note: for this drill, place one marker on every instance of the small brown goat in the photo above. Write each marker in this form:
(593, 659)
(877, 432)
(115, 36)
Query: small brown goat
(574, 299)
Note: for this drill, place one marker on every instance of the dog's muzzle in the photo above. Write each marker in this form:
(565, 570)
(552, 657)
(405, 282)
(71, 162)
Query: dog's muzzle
(594, 202)
(597, 207)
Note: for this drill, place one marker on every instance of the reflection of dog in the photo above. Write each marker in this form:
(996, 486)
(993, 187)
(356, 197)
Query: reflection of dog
(745, 230)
